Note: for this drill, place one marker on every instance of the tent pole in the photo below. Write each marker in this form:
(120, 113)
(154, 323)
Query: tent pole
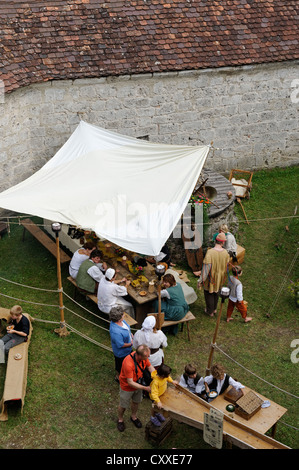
(160, 270)
(62, 331)
(159, 306)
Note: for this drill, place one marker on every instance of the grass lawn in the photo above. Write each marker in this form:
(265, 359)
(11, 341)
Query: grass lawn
(71, 400)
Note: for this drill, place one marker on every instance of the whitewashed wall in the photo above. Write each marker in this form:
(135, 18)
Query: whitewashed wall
(250, 113)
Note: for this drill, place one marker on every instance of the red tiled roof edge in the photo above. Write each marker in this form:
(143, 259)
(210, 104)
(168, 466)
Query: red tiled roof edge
(48, 40)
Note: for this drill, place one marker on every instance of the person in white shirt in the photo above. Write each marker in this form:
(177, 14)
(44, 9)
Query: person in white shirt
(110, 294)
(236, 296)
(79, 256)
(154, 339)
(219, 381)
(191, 380)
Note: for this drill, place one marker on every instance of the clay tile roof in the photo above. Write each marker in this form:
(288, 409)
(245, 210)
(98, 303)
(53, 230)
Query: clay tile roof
(46, 40)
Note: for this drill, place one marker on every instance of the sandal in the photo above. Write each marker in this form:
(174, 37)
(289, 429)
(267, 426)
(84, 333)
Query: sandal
(136, 422)
(120, 426)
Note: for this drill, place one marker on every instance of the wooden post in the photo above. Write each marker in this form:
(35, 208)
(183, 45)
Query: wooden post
(159, 319)
(239, 201)
(59, 281)
(62, 331)
(160, 270)
(214, 338)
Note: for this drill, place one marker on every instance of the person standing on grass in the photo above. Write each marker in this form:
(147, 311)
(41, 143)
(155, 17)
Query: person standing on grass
(155, 339)
(236, 296)
(130, 391)
(121, 337)
(214, 273)
(230, 244)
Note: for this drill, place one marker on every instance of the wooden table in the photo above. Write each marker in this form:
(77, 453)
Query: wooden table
(190, 409)
(142, 304)
(262, 421)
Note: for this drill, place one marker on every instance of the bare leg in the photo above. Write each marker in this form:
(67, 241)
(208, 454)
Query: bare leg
(121, 412)
(134, 409)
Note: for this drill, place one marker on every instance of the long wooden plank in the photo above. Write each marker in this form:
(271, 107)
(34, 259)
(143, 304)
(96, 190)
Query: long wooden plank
(44, 239)
(190, 409)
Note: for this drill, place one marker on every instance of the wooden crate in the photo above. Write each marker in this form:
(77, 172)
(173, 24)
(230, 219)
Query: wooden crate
(157, 434)
(248, 405)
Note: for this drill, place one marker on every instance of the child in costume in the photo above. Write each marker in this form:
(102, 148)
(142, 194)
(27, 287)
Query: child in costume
(191, 380)
(236, 296)
(219, 381)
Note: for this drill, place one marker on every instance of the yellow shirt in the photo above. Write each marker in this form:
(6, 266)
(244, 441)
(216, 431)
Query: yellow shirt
(158, 386)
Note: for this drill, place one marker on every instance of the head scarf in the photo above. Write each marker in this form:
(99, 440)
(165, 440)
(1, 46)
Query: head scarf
(147, 326)
(109, 274)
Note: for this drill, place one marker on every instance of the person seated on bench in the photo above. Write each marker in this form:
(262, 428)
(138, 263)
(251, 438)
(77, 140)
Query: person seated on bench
(91, 272)
(174, 304)
(219, 381)
(17, 331)
(191, 380)
(110, 294)
(82, 254)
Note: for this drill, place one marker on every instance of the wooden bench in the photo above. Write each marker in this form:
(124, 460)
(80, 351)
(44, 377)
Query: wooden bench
(44, 239)
(188, 317)
(94, 298)
(16, 371)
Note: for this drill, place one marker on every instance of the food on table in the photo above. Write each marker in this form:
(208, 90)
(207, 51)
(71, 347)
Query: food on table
(142, 293)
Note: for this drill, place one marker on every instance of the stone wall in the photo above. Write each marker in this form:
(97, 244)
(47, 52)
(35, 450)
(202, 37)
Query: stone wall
(247, 112)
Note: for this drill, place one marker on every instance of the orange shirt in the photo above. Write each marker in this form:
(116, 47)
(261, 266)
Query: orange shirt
(128, 372)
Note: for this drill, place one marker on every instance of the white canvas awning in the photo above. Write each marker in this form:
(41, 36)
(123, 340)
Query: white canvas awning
(129, 191)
